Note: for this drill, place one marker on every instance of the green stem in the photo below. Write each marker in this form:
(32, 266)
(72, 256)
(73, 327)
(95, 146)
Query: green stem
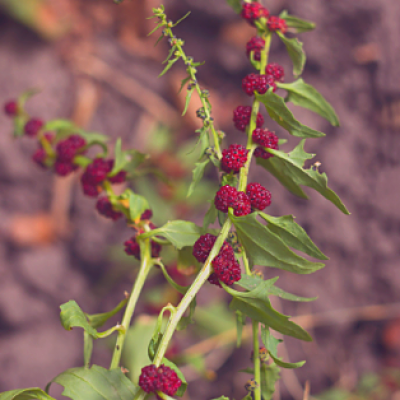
(257, 364)
(145, 266)
(187, 299)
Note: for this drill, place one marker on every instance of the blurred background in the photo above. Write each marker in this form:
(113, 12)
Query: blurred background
(94, 64)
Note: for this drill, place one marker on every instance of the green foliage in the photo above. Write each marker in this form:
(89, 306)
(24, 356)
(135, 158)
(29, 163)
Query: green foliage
(279, 112)
(198, 173)
(236, 5)
(288, 169)
(210, 216)
(25, 394)
(297, 25)
(72, 316)
(304, 95)
(95, 383)
(269, 377)
(137, 205)
(295, 49)
(98, 320)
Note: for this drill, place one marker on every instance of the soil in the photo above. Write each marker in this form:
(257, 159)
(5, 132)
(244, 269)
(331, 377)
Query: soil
(353, 60)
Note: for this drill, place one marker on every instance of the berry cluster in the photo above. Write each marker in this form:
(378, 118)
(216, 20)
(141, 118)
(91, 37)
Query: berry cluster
(162, 379)
(253, 12)
(266, 140)
(66, 150)
(258, 83)
(242, 115)
(234, 158)
(226, 268)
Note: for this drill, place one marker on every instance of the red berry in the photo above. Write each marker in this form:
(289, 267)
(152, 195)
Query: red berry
(105, 208)
(213, 279)
(11, 108)
(242, 115)
(90, 190)
(242, 205)
(148, 379)
(68, 148)
(264, 82)
(253, 11)
(132, 248)
(147, 215)
(203, 246)
(168, 381)
(40, 157)
(276, 71)
(119, 178)
(234, 158)
(255, 44)
(64, 168)
(225, 198)
(266, 139)
(33, 126)
(260, 197)
(276, 24)
(226, 268)
(249, 83)
(96, 172)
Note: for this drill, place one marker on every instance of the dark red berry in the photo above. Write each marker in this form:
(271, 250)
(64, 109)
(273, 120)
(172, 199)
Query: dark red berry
(255, 44)
(155, 249)
(249, 84)
(168, 381)
(64, 168)
(234, 158)
(147, 215)
(119, 178)
(40, 157)
(148, 380)
(33, 126)
(260, 197)
(90, 190)
(203, 246)
(132, 248)
(253, 11)
(96, 172)
(225, 198)
(213, 279)
(276, 24)
(276, 71)
(226, 268)
(242, 116)
(264, 83)
(242, 205)
(11, 108)
(105, 208)
(68, 148)
(266, 139)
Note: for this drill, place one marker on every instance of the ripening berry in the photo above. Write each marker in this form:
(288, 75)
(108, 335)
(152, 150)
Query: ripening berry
(119, 178)
(227, 269)
(264, 83)
(266, 139)
(68, 148)
(260, 198)
(225, 198)
(233, 158)
(275, 23)
(203, 246)
(105, 208)
(242, 116)
(97, 171)
(148, 379)
(168, 381)
(33, 126)
(253, 11)
(249, 83)
(39, 157)
(64, 168)
(11, 108)
(276, 71)
(255, 44)
(147, 214)
(242, 205)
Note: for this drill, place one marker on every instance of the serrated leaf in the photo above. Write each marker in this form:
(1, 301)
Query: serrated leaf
(210, 216)
(98, 320)
(304, 95)
(279, 112)
(169, 65)
(182, 389)
(292, 174)
(293, 235)
(96, 383)
(187, 100)
(236, 5)
(137, 205)
(264, 248)
(269, 377)
(256, 305)
(179, 233)
(297, 24)
(271, 344)
(198, 173)
(25, 394)
(295, 49)
(72, 316)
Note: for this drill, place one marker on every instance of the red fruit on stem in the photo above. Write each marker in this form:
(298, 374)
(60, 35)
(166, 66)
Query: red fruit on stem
(33, 126)
(39, 157)
(249, 83)
(264, 83)
(168, 381)
(255, 44)
(253, 11)
(105, 208)
(225, 198)
(11, 108)
(148, 380)
(64, 168)
(242, 205)
(242, 116)
(260, 198)
(234, 158)
(203, 246)
(275, 23)
(276, 71)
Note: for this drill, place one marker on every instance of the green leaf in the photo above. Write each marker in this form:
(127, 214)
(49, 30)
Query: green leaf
(229, 179)
(304, 95)
(179, 233)
(182, 389)
(25, 394)
(210, 216)
(96, 383)
(295, 49)
(293, 235)
(93, 137)
(19, 125)
(187, 101)
(297, 24)
(72, 316)
(120, 159)
(271, 344)
(137, 158)
(256, 305)
(279, 112)
(236, 5)
(186, 260)
(198, 173)
(293, 174)
(269, 377)
(25, 96)
(265, 248)
(59, 125)
(181, 19)
(169, 65)
(98, 320)
(240, 323)
(137, 205)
